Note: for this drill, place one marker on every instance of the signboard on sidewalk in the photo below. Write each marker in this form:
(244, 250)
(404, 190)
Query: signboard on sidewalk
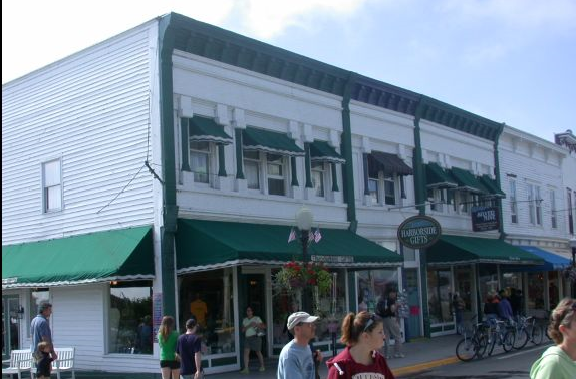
(485, 219)
(418, 232)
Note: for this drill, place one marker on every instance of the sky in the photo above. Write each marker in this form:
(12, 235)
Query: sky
(511, 61)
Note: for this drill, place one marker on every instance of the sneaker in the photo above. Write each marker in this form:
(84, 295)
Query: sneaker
(245, 371)
(262, 369)
(399, 355)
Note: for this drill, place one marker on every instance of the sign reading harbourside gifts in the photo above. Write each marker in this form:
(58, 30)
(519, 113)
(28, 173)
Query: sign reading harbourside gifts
(418, 232)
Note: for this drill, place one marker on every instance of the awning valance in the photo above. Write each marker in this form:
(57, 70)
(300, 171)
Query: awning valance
(205, 245)
(552, 261)
(465, 250)
(436, 176)
(206, 129)
(270, 142)
(468, 181)
(491, 185)
(388, 163)
(322, 151)
(124, 254)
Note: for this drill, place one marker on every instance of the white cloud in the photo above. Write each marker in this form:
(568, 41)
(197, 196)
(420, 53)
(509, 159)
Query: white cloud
(552, 14)
(267, 19)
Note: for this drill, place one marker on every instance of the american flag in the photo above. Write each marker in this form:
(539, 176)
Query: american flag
(317, 235)
(292, 235)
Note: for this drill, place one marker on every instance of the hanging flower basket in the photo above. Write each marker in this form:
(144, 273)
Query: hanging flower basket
(295, 275)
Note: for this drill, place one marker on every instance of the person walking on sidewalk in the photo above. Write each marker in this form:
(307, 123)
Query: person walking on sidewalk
(387, 310)
(189, 348)
(253, 342)
(167, 339)
(296, 360)
(363, 335)
(559, 361)
(40, 328)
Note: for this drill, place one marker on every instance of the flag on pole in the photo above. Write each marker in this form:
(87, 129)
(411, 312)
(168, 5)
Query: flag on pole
(292, 235)
(310, 236)
(317, 235)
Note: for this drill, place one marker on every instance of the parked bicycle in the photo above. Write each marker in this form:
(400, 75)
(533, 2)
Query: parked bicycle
(473, 344)
(501, 333)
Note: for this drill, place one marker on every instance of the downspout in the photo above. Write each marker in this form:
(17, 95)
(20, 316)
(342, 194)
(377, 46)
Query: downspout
(346, 149)
(170, 209)
(419, 197)
(498, 181)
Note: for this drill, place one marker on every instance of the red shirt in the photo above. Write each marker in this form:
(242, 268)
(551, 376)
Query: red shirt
(352, 370)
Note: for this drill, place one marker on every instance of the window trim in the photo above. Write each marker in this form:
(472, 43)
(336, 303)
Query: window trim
(513, 201)
(45, 198)
(319, 167)
(211, 161)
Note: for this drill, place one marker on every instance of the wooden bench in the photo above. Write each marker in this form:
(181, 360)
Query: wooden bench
(65, 361)
(20, 361)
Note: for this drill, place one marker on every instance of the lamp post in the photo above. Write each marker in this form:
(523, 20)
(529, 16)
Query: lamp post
(304, 220)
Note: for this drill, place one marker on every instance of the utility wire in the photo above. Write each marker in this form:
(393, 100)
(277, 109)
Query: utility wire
(122, 190)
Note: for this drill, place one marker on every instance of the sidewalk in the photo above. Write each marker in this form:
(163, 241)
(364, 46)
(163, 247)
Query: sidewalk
(421, 355)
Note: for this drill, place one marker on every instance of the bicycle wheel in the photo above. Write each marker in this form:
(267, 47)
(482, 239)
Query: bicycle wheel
(536, 335)
(522, 338)
(491, 343)
(466, 350)
(508, 340)
(482, 342)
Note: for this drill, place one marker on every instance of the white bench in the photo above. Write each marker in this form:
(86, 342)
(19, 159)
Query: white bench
(65, 361)
(20, 361)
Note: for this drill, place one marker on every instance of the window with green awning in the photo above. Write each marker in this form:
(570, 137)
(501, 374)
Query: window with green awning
(271, 142)
(458, 249)
(491, 186)
(322, 151)
(207, 130)
(468, 181)
(437, 177)
(124, 254)
(205, 245)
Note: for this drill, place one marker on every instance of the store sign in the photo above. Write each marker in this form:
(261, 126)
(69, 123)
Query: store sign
(418, 232)
(485, 219)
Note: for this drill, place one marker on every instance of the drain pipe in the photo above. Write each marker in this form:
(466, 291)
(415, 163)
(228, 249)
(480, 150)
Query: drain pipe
(346, 149)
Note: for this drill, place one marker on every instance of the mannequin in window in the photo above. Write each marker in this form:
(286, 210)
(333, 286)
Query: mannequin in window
(199, 309)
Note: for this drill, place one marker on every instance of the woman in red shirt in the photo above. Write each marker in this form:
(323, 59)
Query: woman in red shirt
(363, 335)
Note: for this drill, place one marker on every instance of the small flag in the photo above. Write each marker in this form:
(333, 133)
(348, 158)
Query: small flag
(310, 236)
(317, 235)
(292, 235)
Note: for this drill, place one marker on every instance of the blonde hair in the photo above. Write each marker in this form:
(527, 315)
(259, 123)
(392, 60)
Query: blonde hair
(166, 327)
(40, 349)
(563, 314)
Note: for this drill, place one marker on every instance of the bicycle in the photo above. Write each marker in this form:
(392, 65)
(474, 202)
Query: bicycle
(500, 332)
(522, 333)
(474, 343)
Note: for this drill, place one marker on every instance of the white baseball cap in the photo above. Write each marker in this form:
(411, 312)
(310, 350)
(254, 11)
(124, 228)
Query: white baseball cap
(298, 317)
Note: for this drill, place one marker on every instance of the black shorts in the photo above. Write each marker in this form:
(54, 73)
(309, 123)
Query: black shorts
(170, 364)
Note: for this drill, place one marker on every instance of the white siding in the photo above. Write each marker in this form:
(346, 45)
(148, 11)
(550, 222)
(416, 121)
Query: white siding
(92, 111)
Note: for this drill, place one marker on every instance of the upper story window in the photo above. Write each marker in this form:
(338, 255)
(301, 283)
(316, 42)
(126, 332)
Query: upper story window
(553, 210)
(51, 186)
(252, 168)
(373, 190)
(513, 202)
(201, 160)
(389, 190)
(384, 177)
(276, 174)
(318, 171)
(534, 204)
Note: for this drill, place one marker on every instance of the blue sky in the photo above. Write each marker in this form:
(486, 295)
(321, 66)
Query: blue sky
(511, 61)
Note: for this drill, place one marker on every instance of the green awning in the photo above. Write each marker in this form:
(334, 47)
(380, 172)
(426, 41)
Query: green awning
(491, 186)
(206, 129)
(468, 181)
(124, 254)
(270, 142)
(205, 245)
(387, 163)
(322, 151)
(436, 176)
(466, 250)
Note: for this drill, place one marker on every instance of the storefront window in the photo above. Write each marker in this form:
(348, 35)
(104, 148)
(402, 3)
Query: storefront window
(130, 328)
(488, 277)
(372, 285)
(439, 295)
(553, 289)
(209, 296)
(535, 299)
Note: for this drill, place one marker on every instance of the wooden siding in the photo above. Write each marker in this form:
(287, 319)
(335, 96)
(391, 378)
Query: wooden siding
(92, 111)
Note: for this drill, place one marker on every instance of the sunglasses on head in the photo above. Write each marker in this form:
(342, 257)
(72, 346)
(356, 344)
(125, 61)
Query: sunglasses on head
(369, 323)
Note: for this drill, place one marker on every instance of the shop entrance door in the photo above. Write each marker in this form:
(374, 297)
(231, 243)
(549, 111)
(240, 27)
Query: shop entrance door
(253, 295)
(414, 321)
(10, 325)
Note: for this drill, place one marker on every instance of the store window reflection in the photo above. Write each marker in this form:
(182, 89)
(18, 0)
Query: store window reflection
(439, 295)
(488, 277)
(130, 328)
(372, 285)
(209, 296)
(535, 300)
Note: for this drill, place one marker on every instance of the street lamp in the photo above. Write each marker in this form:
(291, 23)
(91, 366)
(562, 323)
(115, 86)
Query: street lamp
(304, 220)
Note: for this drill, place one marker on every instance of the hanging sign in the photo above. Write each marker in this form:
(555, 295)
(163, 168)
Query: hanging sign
(485, 219)
(418, 232)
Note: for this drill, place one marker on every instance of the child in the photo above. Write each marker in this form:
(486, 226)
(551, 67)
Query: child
(43, 360)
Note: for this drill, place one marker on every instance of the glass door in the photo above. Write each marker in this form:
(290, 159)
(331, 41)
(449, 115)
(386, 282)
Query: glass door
(11, 316)
(439, 301)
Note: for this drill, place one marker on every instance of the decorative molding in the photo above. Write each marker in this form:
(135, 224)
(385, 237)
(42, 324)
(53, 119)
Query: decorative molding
(239, 118)
(185, 107)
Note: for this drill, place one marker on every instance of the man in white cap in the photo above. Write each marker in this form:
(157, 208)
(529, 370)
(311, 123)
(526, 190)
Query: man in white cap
(296, 360)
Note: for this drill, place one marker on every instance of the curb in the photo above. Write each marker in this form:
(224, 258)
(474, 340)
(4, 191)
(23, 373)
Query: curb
(424, 366)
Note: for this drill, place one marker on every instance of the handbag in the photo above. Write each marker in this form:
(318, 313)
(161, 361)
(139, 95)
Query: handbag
(260, 332)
